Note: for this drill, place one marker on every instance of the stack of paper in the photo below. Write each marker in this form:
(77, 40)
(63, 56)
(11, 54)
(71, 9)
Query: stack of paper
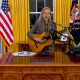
(23, 53)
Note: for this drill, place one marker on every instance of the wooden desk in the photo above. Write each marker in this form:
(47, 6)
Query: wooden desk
(20, 60)
(32, 59)
(40, 72)
(60, 56)
(59, 46)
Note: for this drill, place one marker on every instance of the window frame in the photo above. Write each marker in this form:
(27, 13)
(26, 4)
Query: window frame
(40, 12)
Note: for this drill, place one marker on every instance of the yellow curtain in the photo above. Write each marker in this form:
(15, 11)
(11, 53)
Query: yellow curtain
(20, 20)
(62, 17)
(79, 3)
(62, 13)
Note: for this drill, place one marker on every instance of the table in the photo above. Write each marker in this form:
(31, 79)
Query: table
(20, 59)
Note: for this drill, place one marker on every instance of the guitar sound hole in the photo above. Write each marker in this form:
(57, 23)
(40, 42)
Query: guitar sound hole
(46, 37)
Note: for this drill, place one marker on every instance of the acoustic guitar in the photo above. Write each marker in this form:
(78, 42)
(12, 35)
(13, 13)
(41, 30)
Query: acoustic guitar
(38, 47)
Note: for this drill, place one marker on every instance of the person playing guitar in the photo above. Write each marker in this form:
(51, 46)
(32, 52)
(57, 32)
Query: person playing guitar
(42, 27)
(40, 35)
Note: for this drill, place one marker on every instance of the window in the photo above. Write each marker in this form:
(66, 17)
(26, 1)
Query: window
(35, 8)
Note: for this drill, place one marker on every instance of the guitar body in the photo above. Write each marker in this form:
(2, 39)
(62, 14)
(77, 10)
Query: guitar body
(38, 47)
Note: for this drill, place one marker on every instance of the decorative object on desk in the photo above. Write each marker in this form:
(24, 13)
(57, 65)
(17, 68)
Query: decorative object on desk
(24, 53)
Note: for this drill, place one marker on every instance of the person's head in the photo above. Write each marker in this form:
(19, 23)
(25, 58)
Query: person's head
(45, 14)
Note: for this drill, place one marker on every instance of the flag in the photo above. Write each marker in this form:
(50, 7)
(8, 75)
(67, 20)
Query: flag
(6, 29)
(73, 6)
(73, 10)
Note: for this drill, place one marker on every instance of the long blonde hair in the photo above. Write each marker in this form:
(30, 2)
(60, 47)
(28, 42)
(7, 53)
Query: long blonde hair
(40, 16)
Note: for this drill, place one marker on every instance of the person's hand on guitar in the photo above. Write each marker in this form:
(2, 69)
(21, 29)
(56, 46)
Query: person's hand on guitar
(40, 40)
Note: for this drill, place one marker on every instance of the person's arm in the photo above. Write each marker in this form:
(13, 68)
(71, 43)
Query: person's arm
(32, 31)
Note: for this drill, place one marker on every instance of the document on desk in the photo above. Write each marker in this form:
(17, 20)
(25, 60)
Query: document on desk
(24, 53)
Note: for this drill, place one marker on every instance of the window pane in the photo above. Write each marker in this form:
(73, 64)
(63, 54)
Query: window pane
(32, 5)
(49, 3)
(33, 18)
(40, 5)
